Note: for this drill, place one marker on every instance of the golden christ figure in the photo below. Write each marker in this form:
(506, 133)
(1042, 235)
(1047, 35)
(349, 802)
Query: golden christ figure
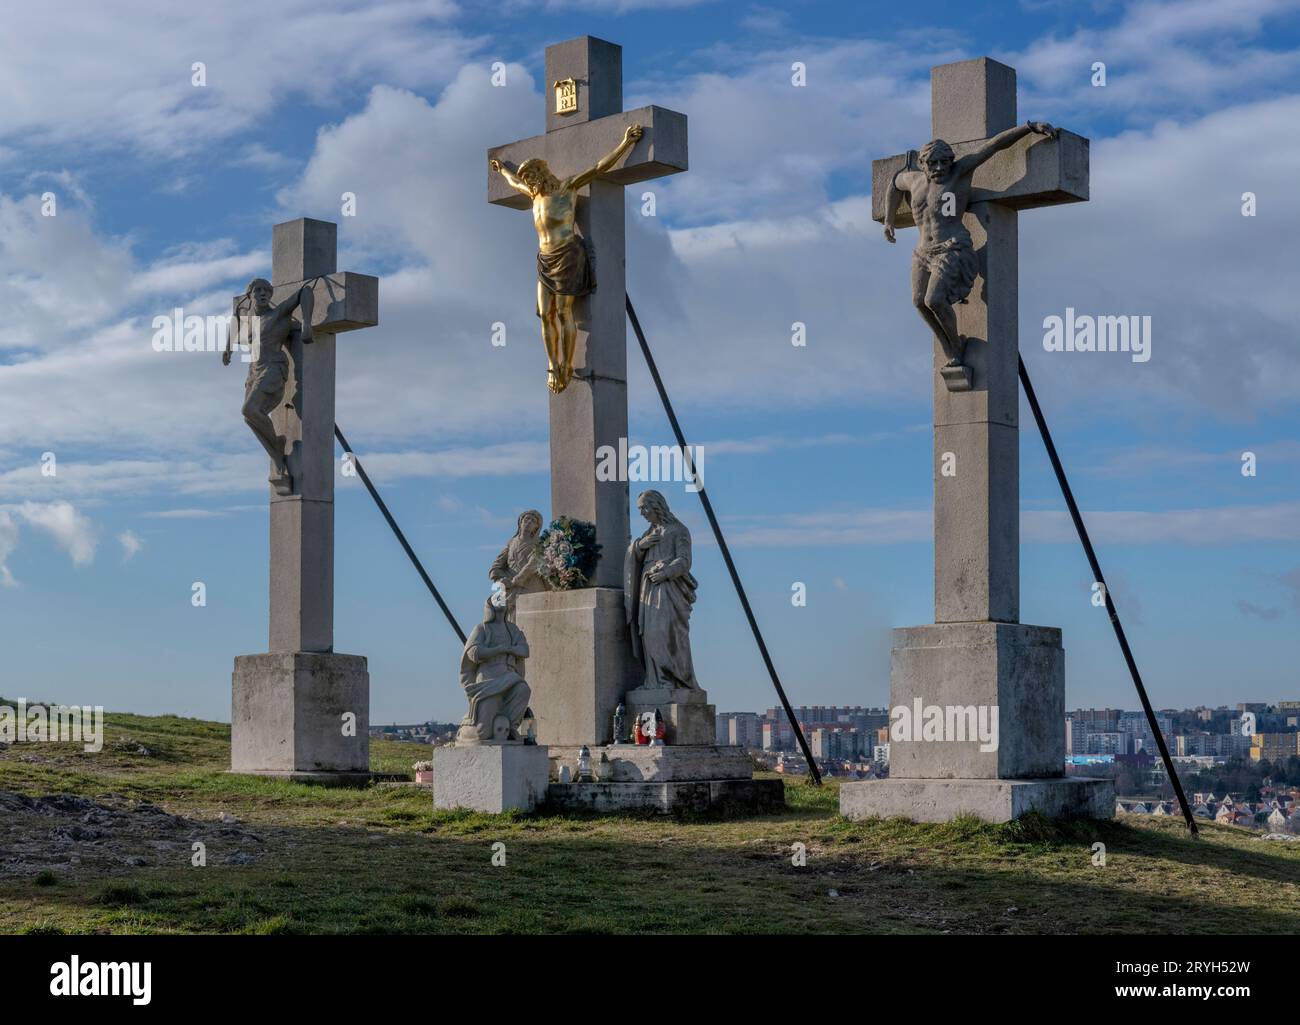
(565, 268)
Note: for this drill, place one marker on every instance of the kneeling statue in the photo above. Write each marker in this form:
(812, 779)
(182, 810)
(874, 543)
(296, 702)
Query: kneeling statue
(489, 672)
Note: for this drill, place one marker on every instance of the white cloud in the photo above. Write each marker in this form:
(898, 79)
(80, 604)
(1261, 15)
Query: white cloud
(1209, 52)
(69, 529)
(8, 542)
(101, 75)
(428, 378)
(131, 544)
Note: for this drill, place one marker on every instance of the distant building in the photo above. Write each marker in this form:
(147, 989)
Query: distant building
(1274, 747)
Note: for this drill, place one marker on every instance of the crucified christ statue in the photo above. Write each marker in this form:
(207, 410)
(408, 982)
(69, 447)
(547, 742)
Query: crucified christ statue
(269, 329)
(944, 264)
(564, 265)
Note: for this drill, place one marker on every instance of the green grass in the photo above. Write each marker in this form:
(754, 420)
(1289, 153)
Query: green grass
(381, 860)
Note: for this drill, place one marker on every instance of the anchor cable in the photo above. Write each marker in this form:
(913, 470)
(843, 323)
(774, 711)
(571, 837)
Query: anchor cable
(1110, 603)
(401, 538)
(722, 545)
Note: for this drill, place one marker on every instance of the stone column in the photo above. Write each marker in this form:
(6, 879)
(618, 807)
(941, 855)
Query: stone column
(302, 523)
(977, 664)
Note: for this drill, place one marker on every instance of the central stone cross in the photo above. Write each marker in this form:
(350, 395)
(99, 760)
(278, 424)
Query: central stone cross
(580, 666)
(587, 77)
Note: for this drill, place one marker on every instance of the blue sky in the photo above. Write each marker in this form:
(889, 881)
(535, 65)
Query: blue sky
(818, 458)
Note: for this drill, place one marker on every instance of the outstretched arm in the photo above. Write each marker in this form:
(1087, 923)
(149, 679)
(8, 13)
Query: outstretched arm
(893, 196)
(1001, 141)
(304, 301)
(606, 163)
(512, 179)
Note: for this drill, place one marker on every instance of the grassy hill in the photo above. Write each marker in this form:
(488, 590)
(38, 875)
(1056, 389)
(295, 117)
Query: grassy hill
(104, 843)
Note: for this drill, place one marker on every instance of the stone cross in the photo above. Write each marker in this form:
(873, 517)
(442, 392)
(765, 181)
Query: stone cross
(977, 505)
(977, 659)
(585, 120)
(302, 523)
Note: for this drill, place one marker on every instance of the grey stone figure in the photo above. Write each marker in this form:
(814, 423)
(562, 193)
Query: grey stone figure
(490, 673)
(658, 592)
(620, 724)
(944, 264)
(515, 568)
(270, 330)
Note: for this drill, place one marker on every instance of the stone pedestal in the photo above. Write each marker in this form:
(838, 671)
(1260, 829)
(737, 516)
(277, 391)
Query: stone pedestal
(953, 683)
(579, 662)
(288, 717)
(701, 779)
(491, 778)
(688, 716)
(1017, 670)
(994, 800)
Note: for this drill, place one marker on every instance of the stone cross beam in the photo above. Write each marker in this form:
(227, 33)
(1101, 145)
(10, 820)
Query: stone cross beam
(977, 508)
(584, 121)
(302, 523)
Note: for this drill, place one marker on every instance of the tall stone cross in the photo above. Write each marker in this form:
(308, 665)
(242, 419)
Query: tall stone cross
(977, 488)
(302, 523)
(584, 121)
(1008, 757)
(301, 710)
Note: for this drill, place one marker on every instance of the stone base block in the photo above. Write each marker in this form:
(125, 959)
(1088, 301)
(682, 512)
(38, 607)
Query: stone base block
(994, 800)
(689, 719)
(579, 663)
(489, 777)
(968, 672)
(723, 797)
(633, 763)
(288, 714)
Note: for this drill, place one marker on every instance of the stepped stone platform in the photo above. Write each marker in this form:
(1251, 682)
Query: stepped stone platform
(667, 780)
(993, 800)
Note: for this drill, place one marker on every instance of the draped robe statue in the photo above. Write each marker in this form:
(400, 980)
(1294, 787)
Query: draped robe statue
(515, 568)
(490, 673)
(658, 592)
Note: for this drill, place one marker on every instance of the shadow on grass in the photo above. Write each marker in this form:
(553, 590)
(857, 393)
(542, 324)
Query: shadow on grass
(632, 877)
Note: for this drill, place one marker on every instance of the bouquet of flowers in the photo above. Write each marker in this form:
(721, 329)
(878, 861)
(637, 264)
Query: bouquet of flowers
(567, 554)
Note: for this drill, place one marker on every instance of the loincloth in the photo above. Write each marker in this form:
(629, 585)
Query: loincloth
(269, 375)
(568, 270)
(953, 262)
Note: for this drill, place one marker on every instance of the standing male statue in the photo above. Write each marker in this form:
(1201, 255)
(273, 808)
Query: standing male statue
(944, 264)
(515, 569)
(269, 329)
(659, 590)
(565, 268)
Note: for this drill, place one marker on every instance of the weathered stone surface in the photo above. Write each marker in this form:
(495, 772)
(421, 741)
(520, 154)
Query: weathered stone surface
(287, 714)
(977, 655)
(580, 664)
(1036, 171)
(689, 719)
(993, 800)
(714, 797)
(644, 763)
(1017, 668)
(489, 777)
